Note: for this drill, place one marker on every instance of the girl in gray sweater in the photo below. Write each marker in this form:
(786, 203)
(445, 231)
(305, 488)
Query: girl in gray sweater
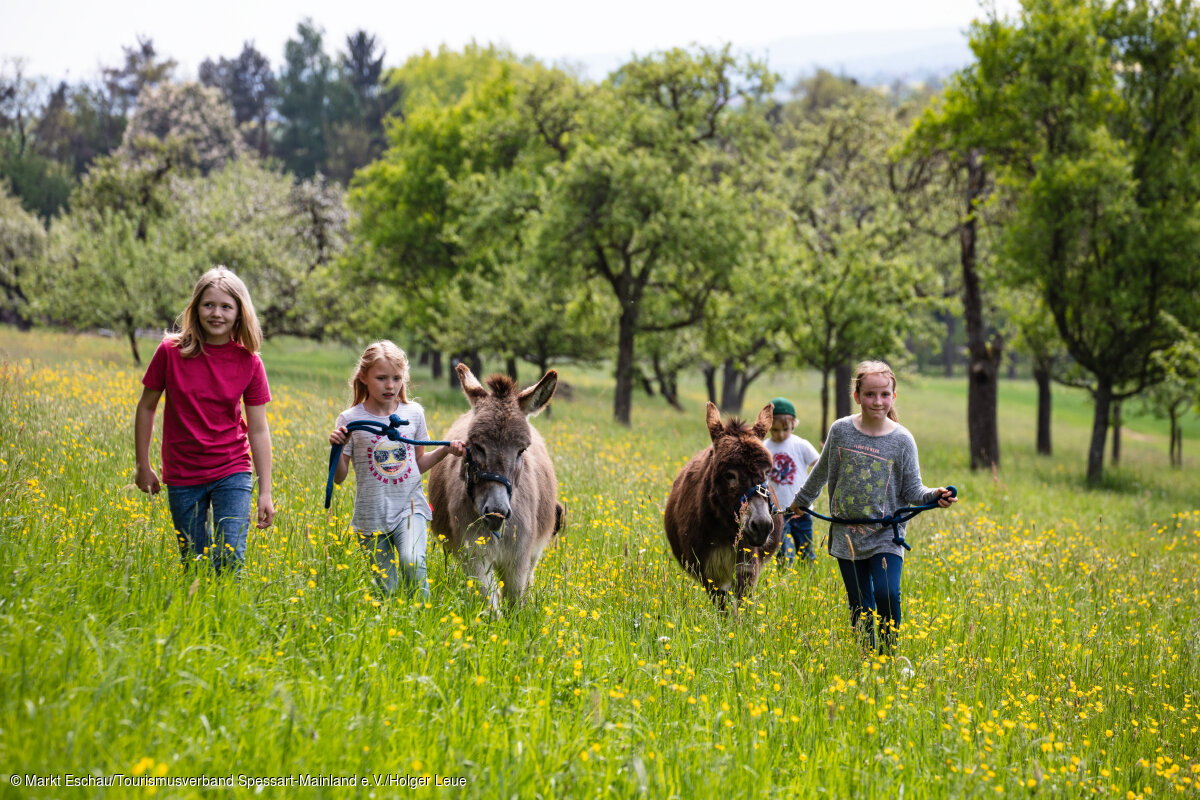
(870, 463)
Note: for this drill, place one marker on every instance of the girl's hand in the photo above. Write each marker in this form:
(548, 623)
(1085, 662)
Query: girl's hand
(147, 479)
(266, 510)
(339, 435)
(458, 447)
(947, 498)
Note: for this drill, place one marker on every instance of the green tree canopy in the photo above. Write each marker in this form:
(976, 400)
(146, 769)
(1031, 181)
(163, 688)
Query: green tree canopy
(1092, 113)
(22, 250)
(197, 116)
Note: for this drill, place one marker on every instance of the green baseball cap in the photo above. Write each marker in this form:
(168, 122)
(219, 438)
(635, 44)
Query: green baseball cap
(781, 405)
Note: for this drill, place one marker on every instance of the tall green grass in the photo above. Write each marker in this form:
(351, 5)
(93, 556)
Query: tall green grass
(1051, 644)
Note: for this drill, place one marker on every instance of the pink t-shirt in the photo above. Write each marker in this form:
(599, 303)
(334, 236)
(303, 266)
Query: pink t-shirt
(204, 436)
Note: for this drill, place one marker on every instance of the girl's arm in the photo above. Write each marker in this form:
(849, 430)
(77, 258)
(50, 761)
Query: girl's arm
(426, 460)
(143, 430)
(340, 436)
(260, 452)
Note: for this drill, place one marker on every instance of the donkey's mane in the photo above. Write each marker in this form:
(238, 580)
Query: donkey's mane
(501, 385)
(735, 427)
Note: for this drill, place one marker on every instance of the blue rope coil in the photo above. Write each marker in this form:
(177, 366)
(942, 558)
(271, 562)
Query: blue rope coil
(390, 430)
(901, 515)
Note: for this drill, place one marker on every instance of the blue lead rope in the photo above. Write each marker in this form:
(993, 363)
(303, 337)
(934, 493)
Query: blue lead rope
(900, 516)
(391, 431)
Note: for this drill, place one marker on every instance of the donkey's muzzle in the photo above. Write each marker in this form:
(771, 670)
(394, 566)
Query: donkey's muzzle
(759, 529)
(494, 520)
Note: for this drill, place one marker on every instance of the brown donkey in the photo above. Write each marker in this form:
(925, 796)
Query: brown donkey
(497, 506)
(720, 517)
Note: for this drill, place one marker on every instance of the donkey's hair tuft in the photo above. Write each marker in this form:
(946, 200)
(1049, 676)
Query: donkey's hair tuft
(501, 385)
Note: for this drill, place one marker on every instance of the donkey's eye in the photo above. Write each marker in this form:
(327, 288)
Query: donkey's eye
(731, 477)
(479, 449)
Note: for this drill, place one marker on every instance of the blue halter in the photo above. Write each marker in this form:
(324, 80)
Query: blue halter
(901, 515)
(762, 490)
(391, 431)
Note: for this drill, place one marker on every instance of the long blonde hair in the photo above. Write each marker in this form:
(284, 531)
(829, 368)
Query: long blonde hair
(866, 368)
(376, 351)
(246, 332)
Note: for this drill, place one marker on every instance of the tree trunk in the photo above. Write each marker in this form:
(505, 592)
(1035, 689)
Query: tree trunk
(824, 405)
(842, 396)
(1042, 376)
(647, 386)
(435, 364)
(948, 345)
(710, 382)
(668, 384)
(1103, 399)
(131, 332)
(1176, 462)
(623, 397)
(983, 356)
(510, 366)
(731, 380)
(1178, 446)
(1116, 429)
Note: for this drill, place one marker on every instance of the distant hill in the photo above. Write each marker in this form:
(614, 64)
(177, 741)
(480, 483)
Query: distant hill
(874, 58)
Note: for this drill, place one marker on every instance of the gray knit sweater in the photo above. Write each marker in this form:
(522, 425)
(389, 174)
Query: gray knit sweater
(868, 476)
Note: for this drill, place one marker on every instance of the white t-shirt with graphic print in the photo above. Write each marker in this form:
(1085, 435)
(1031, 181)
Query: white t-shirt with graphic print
(388, 486)
(790, 462)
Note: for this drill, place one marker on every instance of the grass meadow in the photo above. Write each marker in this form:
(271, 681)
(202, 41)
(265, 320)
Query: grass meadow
(1051, 645)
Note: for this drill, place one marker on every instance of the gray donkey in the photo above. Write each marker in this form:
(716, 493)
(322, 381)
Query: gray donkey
(496, 506)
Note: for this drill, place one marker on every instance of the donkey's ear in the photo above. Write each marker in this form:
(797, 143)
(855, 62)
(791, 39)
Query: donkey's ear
(470, 384)
(762, 425)
(535, 398)
(715, 428)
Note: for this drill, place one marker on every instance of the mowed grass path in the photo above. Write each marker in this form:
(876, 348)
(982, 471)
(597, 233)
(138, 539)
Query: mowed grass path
(1051, 644)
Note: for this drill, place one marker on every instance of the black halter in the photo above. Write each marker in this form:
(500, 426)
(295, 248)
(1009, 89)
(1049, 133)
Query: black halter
(475, 476)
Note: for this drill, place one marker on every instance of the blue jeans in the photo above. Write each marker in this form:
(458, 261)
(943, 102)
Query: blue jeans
(399, 553)
(223, 539)
(797, 538)
(873, 586)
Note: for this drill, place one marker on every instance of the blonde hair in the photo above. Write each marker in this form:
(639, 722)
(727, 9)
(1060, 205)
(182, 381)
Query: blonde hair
(382, 350)
(246, 332)
(866, 368)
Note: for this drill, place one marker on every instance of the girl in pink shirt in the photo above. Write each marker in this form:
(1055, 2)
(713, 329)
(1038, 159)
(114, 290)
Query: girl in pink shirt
(208, 370)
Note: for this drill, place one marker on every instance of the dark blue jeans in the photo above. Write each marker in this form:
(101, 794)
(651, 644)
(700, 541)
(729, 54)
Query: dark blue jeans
(797, 538)
(223, 538)
(873, 585)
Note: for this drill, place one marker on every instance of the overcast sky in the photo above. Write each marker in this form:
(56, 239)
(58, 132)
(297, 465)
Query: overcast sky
(71, 38)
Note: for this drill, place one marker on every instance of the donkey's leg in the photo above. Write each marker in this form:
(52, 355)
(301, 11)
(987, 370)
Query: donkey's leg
(477, 563)
(747, 574)
(518, 576)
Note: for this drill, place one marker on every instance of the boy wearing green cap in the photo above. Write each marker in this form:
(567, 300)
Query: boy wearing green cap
(792, 458)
